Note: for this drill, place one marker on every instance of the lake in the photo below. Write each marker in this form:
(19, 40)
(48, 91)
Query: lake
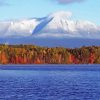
(50, 82)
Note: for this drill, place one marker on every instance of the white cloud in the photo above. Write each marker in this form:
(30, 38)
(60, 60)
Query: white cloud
(69, 1)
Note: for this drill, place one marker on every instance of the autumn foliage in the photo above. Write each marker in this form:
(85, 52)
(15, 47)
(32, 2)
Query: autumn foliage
(30, 54)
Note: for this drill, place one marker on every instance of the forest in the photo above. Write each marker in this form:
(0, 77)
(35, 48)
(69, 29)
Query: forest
(31, 54)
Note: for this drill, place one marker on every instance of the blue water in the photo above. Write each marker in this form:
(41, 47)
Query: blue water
(50, 82)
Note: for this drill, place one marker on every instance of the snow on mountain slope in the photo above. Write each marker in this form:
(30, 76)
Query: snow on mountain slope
(56, 23)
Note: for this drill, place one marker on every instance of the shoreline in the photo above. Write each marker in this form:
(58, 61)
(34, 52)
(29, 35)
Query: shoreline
(48, 65)
(54, 67)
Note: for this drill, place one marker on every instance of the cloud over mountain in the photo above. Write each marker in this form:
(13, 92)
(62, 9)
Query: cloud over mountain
(69, 1)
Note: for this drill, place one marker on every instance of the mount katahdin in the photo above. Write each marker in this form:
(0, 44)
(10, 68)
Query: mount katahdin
(57, 29)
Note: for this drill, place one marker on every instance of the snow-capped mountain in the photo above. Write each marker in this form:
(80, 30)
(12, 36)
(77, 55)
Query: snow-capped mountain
(60, 24)
(57, 29)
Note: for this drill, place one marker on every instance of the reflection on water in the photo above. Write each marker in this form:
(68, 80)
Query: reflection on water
(50, 83)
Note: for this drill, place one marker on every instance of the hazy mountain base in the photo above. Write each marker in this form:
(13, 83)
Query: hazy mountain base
(51, 42)
(29, 54)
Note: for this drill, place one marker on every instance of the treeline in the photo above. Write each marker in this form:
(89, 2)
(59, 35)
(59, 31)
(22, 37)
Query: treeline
(29, 54)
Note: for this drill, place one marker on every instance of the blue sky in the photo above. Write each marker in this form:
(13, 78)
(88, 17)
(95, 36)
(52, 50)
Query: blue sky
(19, 9)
